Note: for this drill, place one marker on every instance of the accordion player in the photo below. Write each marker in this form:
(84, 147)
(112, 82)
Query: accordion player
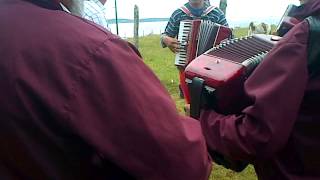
(216, 79)
(196, 37)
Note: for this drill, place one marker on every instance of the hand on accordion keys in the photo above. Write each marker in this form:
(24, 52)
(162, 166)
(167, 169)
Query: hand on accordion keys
(172, 43)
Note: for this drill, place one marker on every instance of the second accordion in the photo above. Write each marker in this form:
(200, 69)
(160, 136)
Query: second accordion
(222, 72)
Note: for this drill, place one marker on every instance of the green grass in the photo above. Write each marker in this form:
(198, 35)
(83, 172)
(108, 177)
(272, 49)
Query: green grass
(161, 61)
(239, 32)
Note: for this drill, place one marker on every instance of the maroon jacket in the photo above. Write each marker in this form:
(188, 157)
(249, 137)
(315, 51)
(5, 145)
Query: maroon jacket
(280, 131)
(77, 102)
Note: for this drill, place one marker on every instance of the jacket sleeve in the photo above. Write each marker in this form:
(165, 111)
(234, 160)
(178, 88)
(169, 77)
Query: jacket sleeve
(123, 111)
(276, 89)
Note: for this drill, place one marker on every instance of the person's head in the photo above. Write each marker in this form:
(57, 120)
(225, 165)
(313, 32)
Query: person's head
(196, 3)
(75, 6)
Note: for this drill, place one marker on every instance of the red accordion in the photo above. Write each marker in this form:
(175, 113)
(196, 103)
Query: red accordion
(216, 78)
(196, 37)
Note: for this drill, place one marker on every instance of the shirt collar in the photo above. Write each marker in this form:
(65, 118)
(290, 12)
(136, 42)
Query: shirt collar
(98, 3)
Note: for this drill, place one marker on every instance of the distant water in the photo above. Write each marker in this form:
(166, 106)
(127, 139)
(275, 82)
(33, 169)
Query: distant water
(146, 28)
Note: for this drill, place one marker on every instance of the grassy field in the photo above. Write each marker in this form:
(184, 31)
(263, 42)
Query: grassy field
(161, 62)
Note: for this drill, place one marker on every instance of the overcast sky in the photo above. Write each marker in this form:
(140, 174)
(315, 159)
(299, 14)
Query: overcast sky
(237, 9)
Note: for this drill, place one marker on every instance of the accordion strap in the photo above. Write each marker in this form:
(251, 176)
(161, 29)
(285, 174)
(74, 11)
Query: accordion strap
(186, 11)
(196, 89)
(205, 12)
(208, 10)
(314, 45)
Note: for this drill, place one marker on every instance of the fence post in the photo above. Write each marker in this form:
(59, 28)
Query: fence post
(116, 11)
(136, 26)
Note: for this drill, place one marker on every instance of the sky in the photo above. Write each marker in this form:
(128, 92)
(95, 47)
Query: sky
(236, 10)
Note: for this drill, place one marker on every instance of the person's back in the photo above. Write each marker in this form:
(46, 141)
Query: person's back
(279, 131)
(78, 103)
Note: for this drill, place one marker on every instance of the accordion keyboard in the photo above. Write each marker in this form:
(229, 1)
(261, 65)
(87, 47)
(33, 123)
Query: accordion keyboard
(181, 56)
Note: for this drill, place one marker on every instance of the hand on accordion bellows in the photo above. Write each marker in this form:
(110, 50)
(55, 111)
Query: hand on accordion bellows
(172, 43)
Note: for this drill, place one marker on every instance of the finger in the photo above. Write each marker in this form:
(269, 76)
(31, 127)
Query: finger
(175, 50)
(175, 43)
(175, 46)
(172, 50)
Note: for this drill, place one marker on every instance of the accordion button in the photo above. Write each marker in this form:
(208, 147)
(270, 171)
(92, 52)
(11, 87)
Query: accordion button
(275, 38)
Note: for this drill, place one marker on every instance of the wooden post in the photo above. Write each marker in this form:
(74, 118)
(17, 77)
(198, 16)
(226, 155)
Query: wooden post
(223, 6)
(136, 26)
(116, 11)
